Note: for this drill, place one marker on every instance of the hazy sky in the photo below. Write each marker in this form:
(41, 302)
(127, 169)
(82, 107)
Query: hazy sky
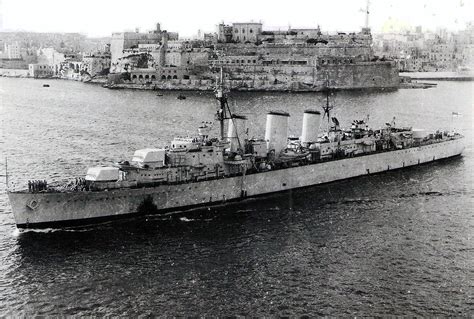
(102, 17)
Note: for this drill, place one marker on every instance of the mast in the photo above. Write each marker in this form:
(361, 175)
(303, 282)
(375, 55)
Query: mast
(224, 113)
(367, 15)
(327, 108)
(327, 99)
(222, 98)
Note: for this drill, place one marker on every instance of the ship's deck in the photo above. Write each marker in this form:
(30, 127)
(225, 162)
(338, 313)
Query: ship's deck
(56, 187)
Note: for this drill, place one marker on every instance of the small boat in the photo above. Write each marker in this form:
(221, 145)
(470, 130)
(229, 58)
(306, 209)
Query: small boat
(159, 94)
(181, 97)
(46, 85)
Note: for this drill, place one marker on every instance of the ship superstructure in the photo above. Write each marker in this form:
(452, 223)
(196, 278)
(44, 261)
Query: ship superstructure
(203, 170)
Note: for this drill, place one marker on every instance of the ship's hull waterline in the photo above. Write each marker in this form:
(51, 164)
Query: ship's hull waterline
(40, 210)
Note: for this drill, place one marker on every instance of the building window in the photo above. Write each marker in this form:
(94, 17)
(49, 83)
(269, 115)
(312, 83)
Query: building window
(251, 31)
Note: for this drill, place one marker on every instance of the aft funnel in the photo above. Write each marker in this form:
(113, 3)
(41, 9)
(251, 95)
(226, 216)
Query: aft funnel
(276, 131)
(311, 122)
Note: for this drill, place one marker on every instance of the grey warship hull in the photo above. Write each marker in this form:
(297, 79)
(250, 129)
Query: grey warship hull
(49, 209)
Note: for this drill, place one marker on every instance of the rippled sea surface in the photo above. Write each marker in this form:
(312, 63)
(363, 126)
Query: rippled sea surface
(398, 243)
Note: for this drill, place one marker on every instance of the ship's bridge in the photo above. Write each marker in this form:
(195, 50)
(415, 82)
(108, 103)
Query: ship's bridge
(208, 156)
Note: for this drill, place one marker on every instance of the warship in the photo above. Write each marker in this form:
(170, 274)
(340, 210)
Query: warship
(201, 170)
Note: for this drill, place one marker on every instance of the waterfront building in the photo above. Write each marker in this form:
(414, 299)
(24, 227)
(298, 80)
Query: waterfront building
(96, 64)
(38, 70)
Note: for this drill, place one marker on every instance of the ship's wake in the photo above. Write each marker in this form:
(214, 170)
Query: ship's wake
(420, 194)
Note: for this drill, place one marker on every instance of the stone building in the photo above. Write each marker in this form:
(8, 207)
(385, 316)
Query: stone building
(224, 33)
(303, 57)
(40, 70)
(50, 56)
(164, 61)
(306, 33)
(96, 64)
(128, 40)
(187, 58)
(11, 57)
(12, 51)
(246, 32)
(256, 59)
(151, 75)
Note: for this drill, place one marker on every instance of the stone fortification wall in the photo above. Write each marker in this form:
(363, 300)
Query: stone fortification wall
(361, 75)
(335, 50)
(342, 76)
(377, 75)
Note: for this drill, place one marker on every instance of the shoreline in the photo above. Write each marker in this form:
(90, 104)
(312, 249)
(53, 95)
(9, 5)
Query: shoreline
(293, 87)
(440, 76)
(239, 89)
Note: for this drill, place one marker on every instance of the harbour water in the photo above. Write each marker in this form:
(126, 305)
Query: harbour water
(396, 243)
